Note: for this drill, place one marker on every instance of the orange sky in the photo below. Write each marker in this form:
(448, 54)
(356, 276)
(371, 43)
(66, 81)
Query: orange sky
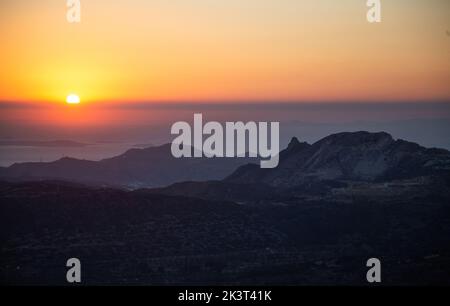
(210, 50)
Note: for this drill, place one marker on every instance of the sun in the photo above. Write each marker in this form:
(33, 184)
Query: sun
(73, 99)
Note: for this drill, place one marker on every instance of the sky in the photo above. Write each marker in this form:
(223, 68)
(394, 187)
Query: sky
(236, 50)
(316, 66)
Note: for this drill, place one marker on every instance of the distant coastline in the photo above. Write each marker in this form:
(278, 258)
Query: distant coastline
(54, 143)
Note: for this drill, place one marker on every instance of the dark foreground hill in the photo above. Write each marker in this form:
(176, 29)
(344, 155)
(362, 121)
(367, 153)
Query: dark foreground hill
(316, 219)
(133, 237)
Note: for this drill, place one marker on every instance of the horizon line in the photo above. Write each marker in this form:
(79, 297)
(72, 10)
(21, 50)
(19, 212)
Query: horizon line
(221, 104)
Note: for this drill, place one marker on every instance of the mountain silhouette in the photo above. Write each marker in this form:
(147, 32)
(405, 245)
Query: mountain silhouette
(358, 156)
(136, 168)
(342, 162)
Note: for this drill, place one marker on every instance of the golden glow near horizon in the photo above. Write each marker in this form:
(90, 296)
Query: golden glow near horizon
(128, 50)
